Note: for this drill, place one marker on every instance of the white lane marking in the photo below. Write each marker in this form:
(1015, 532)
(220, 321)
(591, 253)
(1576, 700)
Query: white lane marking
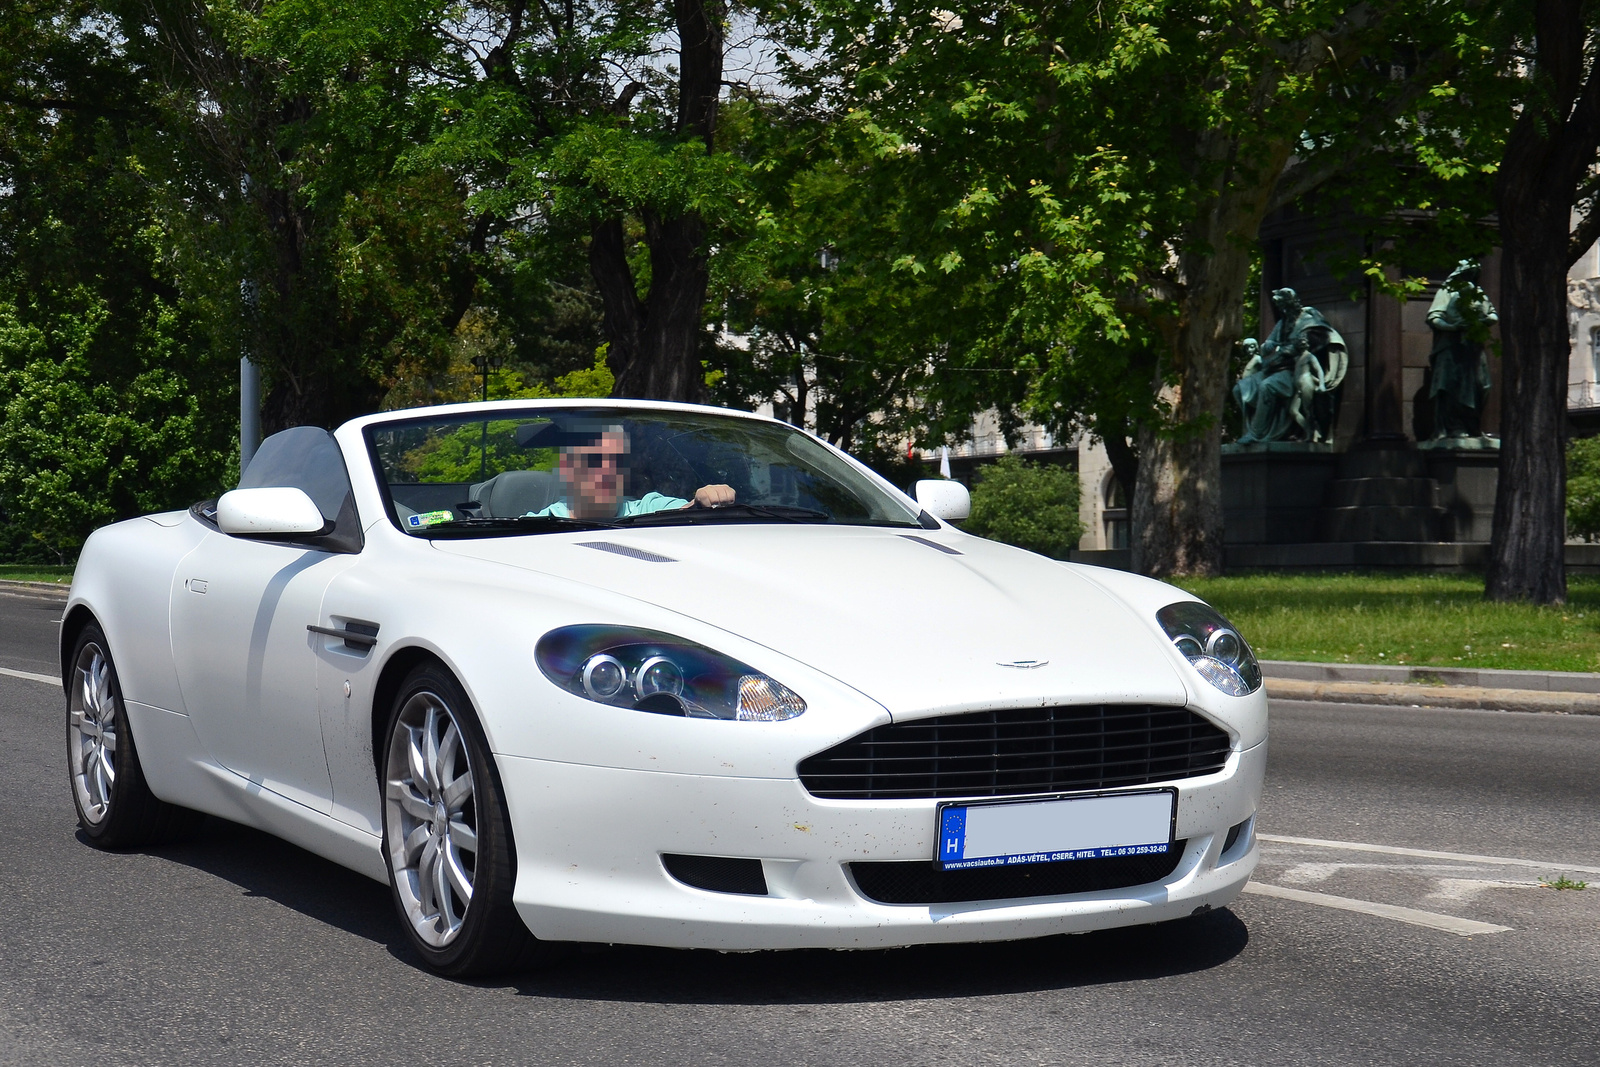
(30, 676)
(1467, 890)
(1448, 923)
(1307, 873)
(1427, 854)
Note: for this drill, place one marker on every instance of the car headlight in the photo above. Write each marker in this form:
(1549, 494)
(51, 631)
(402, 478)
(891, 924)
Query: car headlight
(1210, 642)
(651, 671)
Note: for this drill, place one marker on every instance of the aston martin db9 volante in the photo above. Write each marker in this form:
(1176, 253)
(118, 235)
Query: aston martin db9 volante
(657, 674)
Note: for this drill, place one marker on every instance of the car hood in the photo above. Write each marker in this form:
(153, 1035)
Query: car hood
(922, 622)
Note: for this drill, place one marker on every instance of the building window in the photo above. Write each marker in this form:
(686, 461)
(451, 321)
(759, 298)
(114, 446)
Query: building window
(1594, 353)
(1115, 513)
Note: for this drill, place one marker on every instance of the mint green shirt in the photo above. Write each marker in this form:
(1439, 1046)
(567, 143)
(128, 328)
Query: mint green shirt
(648, 504)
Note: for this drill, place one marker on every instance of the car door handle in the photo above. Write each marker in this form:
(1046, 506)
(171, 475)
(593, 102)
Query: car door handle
(357, 635)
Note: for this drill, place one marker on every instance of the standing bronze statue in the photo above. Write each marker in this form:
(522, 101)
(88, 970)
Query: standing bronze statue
(1460, 316)
(1291, 386)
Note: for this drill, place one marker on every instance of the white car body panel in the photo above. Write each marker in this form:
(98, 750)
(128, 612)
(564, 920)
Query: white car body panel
(242, 712)
(224, 633)
(578, 890)
(991, 604)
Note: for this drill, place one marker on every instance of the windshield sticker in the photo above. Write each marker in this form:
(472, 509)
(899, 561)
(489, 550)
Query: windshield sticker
(428, 518)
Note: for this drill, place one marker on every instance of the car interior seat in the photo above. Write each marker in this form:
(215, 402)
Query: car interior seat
(512, 493)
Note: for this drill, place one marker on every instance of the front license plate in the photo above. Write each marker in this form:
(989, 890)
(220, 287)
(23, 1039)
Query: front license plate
(1047, 831)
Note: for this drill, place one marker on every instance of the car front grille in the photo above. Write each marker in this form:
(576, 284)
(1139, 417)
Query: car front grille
(1018, 752)
(922, 882)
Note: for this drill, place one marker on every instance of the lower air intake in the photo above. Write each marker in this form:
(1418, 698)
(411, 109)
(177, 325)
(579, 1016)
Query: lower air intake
(921, 882)
(719, 874)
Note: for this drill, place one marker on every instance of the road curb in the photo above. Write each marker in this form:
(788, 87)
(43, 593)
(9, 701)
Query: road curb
(1484, 678)
(1435, 696)
(49, 589)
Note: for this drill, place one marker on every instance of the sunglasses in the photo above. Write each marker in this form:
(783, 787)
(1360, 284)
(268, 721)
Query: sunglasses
(596, 460)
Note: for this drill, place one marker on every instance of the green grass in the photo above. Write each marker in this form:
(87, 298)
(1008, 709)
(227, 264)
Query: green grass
(35, 572)
(1430, 619)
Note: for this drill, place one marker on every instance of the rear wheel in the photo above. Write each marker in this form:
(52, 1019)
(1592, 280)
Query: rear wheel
(115, 806)
(446, 833)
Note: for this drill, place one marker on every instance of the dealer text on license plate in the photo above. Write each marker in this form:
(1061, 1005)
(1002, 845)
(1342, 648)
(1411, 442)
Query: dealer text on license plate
(1047, 831)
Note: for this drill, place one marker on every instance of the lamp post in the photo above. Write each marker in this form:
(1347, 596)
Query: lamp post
(484, 365)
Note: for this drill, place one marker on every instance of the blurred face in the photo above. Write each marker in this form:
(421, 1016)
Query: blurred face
(594, 476)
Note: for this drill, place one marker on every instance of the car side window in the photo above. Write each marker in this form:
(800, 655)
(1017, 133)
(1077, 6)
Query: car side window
(308, 458)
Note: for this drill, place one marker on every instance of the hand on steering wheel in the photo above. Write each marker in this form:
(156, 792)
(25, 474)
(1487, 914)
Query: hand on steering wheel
(712, 496)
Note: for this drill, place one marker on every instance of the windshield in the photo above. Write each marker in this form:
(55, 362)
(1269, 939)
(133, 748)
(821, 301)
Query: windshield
(540, 470)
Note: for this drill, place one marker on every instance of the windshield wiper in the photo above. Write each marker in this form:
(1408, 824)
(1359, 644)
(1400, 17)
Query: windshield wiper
(511, 524)
(736, 512)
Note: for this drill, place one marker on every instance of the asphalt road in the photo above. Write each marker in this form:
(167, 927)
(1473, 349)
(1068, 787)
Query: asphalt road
(238, 949)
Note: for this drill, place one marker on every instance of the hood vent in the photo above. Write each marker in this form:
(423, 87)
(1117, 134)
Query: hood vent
(933, 544)
(627, 550)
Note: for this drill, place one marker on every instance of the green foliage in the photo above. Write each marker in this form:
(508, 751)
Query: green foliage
(475, 451)
(835, 334)
(1030, 505)
(1081, 189)
(1583, 488)
(947, 211)
(112, 402)
(78, 451)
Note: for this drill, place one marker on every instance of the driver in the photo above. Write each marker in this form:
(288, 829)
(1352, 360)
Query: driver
(592, 472)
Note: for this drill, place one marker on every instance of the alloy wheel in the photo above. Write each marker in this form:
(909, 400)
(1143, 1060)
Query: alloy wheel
(431, 818)
(92, 730)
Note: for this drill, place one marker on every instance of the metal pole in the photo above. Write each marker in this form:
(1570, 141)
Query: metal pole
(249, 411)
(249, 383)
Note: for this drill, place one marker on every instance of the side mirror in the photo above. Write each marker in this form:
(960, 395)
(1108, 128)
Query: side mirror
(944, 499)
(270, 510)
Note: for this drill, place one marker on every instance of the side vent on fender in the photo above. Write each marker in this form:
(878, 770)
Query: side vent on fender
(358, 636)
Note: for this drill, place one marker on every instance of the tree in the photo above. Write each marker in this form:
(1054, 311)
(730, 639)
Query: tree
(834, 333)
(111, 401)
(655, 338)
(1111, 165)
(1549, 174)
(574, 122)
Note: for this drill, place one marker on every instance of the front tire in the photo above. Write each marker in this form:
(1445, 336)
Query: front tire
(447, 834)
(115, 806)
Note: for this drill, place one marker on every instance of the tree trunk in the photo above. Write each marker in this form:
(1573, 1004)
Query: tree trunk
(655, 341)
(1550, 151)
(1124, 460)
(1526, 559)
(1177, 502)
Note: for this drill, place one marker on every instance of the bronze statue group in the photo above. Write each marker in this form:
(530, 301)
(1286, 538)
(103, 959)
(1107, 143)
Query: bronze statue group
(1290, 387)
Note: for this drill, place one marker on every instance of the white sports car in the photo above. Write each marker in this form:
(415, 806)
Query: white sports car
(659, 674)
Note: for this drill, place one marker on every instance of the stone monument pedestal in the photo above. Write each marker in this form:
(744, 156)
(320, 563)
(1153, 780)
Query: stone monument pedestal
(1295, 505)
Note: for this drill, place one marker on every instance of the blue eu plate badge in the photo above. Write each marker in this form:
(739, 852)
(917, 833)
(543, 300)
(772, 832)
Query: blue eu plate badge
(1097, 826)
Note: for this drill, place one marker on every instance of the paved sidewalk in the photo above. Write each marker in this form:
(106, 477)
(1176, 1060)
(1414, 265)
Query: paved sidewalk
(1434, 687)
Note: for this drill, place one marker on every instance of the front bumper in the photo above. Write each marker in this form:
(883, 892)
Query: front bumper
(589, 842)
